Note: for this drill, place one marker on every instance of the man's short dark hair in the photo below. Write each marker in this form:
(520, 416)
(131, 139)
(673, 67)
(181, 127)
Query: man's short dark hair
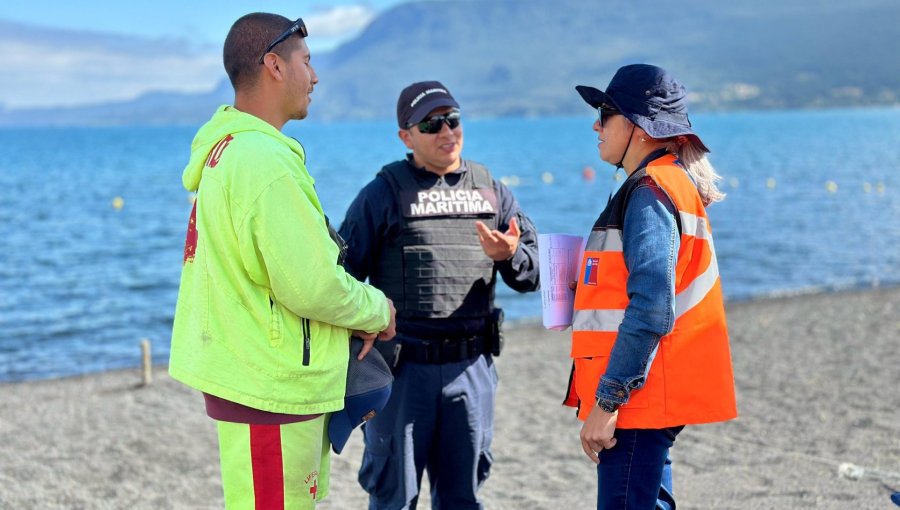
(245, 43)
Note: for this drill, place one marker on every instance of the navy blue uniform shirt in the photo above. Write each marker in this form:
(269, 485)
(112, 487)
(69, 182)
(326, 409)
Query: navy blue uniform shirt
(374, 218)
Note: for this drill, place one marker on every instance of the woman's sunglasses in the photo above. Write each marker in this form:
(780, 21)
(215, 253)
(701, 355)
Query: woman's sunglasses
(605, 112)
(433, 125)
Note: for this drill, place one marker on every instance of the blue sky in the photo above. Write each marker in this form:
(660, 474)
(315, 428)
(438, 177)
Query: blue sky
(55, 53)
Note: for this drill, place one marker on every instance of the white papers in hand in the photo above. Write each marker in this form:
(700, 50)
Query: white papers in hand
(559, 257)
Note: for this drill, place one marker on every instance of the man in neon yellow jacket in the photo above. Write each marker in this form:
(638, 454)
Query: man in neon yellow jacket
(265, 309)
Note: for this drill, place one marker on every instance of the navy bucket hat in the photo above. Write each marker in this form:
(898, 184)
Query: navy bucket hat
(649, 97)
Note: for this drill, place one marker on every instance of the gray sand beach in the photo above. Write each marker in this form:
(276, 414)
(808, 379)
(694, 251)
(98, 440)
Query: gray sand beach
(817, 380)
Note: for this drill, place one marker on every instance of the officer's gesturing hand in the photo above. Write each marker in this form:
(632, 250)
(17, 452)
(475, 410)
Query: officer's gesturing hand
(498, 245)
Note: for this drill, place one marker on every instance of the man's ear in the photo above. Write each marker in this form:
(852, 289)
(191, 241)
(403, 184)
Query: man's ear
(406, 138)
(270, 64)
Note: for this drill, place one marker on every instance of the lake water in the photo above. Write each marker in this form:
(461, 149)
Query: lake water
(812, 205)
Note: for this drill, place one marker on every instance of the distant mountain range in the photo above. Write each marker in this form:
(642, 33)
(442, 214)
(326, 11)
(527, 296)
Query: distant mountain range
(524, 57)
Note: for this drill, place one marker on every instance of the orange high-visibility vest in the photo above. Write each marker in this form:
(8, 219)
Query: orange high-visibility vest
(690, 379)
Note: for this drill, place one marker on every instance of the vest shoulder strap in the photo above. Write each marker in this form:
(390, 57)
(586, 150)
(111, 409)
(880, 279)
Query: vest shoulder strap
(397, 176)
(480, 175)
(613, 216)
(645, 179)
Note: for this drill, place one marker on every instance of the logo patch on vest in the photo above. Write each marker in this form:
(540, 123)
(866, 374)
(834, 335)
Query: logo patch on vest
(590, 270)
(448, 202)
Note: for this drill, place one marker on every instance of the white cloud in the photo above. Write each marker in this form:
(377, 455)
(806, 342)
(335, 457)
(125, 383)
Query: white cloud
(97, 68)
(339, 22)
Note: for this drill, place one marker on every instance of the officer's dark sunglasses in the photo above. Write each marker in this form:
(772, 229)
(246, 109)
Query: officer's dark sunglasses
(294, 28)
(433, 125)
(605, 111)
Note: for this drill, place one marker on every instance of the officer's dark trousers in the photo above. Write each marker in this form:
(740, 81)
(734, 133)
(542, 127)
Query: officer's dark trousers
(440, 419)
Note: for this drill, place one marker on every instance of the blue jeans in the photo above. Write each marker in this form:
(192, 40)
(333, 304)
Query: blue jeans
(636, 474)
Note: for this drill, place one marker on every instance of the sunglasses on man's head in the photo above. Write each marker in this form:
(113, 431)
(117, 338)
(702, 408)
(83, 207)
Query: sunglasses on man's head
(433, 125)
(294, 28)
(605, 111)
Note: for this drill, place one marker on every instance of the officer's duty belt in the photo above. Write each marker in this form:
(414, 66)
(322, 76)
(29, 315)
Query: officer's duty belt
(446, 350)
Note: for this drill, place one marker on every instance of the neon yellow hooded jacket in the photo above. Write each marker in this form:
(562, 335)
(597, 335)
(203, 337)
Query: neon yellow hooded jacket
(263, 309)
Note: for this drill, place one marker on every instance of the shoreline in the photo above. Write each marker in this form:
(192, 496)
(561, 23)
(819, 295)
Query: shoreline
(536, 322)
(814, 376)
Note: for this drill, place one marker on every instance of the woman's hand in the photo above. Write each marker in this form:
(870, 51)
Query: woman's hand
(597, 433)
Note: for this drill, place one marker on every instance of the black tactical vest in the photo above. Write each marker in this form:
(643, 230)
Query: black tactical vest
(436, 268)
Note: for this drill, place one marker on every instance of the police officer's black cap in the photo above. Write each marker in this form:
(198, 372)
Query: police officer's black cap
(419, 99)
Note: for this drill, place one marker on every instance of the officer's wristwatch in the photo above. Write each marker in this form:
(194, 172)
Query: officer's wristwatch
(606, 405)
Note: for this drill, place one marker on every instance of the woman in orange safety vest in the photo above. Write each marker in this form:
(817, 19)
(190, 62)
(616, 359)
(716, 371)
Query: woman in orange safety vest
(649, 340)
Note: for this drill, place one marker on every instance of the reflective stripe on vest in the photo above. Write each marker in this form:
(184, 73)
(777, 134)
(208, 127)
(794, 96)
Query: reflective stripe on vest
(685, 300)
(690, 379)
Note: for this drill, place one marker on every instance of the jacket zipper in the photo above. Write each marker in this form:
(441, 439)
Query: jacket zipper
(307, 341)
(274, 326)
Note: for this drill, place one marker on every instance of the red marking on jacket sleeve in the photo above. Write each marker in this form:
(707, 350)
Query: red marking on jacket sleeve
(216, 154)
(190, 242)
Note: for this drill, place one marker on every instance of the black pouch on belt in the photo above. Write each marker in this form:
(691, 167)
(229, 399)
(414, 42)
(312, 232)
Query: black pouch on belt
(493, 337)
(390, 351)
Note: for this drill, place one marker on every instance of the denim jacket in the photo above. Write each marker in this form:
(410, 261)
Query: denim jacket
(650, 243)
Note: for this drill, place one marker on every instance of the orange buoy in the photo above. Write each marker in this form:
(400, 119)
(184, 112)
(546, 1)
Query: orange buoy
(588, 174)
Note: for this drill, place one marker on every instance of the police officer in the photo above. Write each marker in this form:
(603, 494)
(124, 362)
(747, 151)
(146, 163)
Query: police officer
(432, 231)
